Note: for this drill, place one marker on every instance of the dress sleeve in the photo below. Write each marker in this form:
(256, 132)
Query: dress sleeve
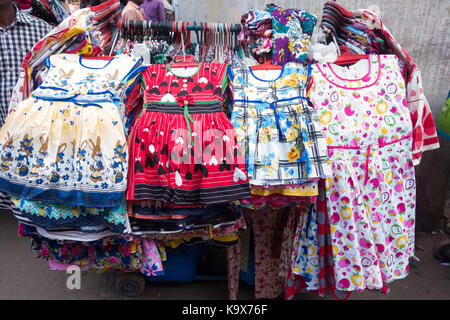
(424, 131)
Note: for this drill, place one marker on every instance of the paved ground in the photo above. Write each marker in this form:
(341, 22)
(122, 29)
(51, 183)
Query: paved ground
(25, 277)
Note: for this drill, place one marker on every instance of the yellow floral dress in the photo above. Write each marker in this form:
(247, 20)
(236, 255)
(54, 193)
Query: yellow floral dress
(276, 128)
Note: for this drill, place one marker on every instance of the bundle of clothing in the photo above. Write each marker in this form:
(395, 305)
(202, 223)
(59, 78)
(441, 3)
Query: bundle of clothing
(87, 32)
(277, 34)
(256, 33)
(291, 35)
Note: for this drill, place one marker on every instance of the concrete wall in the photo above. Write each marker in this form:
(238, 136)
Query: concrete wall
(421, 28)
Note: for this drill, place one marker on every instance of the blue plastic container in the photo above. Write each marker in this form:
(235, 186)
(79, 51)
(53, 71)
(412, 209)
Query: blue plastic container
(181, 264)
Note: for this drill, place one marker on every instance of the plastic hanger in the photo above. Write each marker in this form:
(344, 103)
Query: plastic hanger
(187, 60)
(205, 29)
(268, 65)
(196, 33)
(347, 58)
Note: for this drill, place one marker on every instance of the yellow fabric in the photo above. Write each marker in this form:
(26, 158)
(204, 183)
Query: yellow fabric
(227, 238)
(305, 190)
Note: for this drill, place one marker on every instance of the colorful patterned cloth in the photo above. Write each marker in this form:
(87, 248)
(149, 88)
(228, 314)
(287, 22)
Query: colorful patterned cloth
(276, 128)
(151, 261)
(292, 30)
(363, 32)
(86, 32)
(182, 147)
(70, 147)
(50, 216)
(371, 193)
(327, 284)
(107, 253)
(256, 33)
(307, 261)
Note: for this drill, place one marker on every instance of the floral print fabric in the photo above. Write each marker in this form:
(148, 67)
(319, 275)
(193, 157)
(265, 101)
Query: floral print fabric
(151, 264)
(107, 253)
(307, 261)
(70, 147)
(325, 268)
(276, 128)
(371, 192)
(292, 30)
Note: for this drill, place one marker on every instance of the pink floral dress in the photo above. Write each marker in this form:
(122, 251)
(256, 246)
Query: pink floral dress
(371, 193)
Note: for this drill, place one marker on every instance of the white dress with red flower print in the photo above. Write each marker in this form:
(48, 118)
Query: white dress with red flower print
(371, 193)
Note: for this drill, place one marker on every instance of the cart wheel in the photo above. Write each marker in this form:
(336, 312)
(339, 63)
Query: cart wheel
(130, 284)
(441, 250)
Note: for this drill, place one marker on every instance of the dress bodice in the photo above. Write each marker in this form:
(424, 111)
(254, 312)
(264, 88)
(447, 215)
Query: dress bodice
(84, 81)
(361, 104)
(269, 86)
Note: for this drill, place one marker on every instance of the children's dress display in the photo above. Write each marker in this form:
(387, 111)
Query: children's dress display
(66, 143)
(303, 170)
(362, 31)
(184, 150)
(276, 128)
(371, 192)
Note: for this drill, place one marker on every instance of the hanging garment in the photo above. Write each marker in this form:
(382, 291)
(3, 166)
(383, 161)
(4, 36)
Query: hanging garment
(276, 128)
(273, 244)
(292, 30)
(371, 193)
(182, 148)
(151, 260)
(50, 216)
(306, 263)
(66, 144)
(86, 31)
(363, 32)
(327, 283)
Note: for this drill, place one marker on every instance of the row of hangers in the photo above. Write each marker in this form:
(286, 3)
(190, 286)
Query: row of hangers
(207, 34)
(222, 36)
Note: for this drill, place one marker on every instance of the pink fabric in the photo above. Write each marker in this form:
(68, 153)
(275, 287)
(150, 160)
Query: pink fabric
(151, 261)
(233, 269)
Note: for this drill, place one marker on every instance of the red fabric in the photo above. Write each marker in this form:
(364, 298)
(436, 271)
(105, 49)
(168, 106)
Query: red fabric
(160, 149)
(24, 4)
